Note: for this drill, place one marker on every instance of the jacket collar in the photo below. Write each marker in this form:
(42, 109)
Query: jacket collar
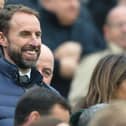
(11, 71)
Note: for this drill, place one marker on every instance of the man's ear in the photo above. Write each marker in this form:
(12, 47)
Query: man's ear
(33, 116)
(3, 40)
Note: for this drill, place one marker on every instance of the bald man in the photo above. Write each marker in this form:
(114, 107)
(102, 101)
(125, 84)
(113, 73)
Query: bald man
(45, 64)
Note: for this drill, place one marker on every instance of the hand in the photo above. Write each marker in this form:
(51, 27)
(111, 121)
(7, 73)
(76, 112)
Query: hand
(68, 49)
(67, 67)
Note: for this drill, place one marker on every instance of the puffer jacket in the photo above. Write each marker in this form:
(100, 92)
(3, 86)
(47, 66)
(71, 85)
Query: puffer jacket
(10, 91)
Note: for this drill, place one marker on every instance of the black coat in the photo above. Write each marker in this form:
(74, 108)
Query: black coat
(83, 31)
(99, 10)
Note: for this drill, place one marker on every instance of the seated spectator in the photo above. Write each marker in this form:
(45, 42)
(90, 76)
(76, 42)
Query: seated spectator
(40, 102)
(20, 40)
(115, 35)
(112, 115)
(45, 64)
(63, 21)
(83, 117)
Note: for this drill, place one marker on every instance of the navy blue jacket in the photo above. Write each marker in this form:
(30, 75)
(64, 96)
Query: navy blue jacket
(10, 91)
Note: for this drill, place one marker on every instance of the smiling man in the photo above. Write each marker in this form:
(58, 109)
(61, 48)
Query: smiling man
(20, 38)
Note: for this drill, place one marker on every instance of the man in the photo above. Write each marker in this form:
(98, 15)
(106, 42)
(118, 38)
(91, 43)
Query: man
(20, 38)
(40, 102)
(63, 21)
(115, 34)
(45, 64)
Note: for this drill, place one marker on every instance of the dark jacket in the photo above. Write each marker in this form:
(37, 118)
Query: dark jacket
(54, 34)
(99, 9)
(83, 31)
(11, 91)
(30, 3)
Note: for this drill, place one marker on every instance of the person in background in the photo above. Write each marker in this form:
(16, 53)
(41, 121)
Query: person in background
(41, 102)
(83, 117)
(63, 21)
(108, 81)
(45, 64)
(115, 35)
(112, 115)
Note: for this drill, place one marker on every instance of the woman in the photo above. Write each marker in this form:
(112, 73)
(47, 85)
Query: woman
(108, 81)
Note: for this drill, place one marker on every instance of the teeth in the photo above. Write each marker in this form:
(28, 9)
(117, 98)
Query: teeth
(31, 52)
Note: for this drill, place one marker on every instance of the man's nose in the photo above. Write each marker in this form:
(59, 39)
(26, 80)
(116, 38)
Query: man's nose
(35, 40)
(123, 28)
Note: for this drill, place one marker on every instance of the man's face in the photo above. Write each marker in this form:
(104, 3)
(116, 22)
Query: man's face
(59, 112)
(66, 10)
(116, 29)
(45, 67)
(23, 40)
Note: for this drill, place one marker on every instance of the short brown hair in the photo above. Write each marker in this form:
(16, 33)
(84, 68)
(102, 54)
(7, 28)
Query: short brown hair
(7, 13)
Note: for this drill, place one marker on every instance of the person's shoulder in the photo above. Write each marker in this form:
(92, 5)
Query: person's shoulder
(51, 88)
(94, 56)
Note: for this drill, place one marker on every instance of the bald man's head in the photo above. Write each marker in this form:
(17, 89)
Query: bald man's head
(115, 27)
(45, 64)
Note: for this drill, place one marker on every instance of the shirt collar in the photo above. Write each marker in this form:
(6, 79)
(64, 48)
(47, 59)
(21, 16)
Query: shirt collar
(28, 73)
(115, 48)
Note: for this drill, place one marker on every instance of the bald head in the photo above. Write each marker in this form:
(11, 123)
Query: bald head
(45, 64)
(115, 27)
(117, 11)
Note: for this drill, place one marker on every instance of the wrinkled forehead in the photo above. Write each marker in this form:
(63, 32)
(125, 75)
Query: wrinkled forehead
(24, 21)
(118, 13)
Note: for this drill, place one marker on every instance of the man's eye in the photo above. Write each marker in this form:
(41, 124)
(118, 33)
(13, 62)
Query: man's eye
(38, 34)
(25, 34)
(46, 73)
